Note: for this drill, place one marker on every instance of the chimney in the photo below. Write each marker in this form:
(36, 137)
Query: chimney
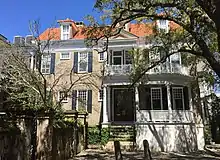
(19, 40)
(29, 39)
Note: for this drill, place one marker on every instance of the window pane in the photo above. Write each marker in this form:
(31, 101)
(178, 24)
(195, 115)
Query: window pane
(65, 55)
(83, 66)
(117, 53)
(83, 61)
(117, 60)
(100, 95)
(82, 99)
(156, 98)
(45, 64)
(65, 28)
(156, 104)
(62, 96)
(101, 56)
(128, 58)
(178, 98)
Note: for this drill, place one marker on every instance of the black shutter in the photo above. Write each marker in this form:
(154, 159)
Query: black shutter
(123, 57)
(52, 63)
(171, 94)
(74, 98)
(148, 98)
(110, 57)
(186, 97)
(89, 101)
(75, 62)
(164, 96)
(90, 56)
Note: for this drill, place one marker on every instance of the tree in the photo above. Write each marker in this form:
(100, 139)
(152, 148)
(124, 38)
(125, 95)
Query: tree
(199, 24)
(30, 92)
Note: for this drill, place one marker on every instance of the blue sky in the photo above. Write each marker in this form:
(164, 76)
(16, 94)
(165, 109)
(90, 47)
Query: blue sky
(16, 14)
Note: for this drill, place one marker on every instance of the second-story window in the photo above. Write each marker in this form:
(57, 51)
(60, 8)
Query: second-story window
(45, 64)
(117, 58)
(66, 32)
(83, 62)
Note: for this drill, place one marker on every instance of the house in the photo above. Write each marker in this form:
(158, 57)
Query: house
(159, 109)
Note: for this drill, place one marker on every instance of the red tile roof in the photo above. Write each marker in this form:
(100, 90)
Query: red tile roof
(138, 29)
(50, 34)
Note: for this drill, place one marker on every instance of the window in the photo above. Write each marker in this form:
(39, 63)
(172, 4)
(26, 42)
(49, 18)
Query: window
(83, 62)
(45, 64)
(100, 95)
(117, 58)
(65, 55)
(128, 58)
(62, 96)
(101, 56)
(82, 99)
(66, 32)
(156, 99)
(178, 99)
(163, 25)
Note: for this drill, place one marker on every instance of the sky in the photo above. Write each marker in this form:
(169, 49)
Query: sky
(16, 14)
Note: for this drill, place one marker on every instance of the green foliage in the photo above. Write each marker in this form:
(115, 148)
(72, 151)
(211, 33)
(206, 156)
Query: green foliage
(105, 135)
(207, 134)
(94, 135)
(97, 136)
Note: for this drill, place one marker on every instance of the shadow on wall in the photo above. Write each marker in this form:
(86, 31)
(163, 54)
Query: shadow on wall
(166, 136)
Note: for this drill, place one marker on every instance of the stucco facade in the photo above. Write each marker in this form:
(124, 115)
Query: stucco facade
(160, 109)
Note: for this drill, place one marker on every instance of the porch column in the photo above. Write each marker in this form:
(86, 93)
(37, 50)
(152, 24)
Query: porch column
(109, 109)
(191, 104)
(32, 61)
(136, 98)
(169, 103)
(190, 98)
(105, 110)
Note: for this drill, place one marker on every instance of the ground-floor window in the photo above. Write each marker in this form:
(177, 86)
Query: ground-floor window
(156, 98)
(82, 99)
(178, 98)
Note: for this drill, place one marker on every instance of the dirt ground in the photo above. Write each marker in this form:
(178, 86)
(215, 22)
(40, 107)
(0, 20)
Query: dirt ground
(96, 154)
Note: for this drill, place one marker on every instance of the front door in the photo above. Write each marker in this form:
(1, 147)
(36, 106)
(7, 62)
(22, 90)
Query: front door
(123, 104)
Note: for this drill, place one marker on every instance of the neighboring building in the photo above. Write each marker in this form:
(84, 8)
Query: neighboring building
(161, 108)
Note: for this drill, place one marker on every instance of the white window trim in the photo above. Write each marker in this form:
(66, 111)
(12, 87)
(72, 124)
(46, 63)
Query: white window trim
(161, 97)
(174, 107)
(77, 99)
(166, 28)
(122, 57)
(79, 62)
(99, 99)
(65, 58)
(62, 32)
(49, 57)
(63, 101)
(104, 56)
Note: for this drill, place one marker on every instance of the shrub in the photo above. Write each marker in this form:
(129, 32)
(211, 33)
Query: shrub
(96, 135)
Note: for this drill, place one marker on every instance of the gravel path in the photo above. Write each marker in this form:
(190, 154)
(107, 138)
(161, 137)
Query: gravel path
(96, 154)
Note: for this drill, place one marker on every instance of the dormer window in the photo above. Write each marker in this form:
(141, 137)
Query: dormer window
(163, 25)
(66, 32)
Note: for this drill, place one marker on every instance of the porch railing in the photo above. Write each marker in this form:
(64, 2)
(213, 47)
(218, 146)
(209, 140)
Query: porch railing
(164, 116)
(169, 67)
(118, 69)
(166, 67)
